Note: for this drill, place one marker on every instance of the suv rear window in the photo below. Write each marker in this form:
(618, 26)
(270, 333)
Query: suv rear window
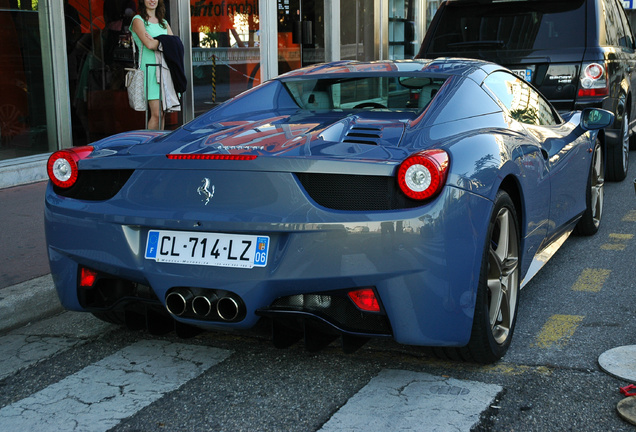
(510, 25)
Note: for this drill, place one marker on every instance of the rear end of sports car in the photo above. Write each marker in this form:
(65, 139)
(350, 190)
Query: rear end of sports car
(222, 243)
(317, 218)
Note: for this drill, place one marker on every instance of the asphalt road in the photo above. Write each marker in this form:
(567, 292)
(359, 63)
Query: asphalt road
(579, 306)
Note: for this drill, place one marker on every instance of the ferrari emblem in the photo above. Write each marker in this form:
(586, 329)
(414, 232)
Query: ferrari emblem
(206, 191)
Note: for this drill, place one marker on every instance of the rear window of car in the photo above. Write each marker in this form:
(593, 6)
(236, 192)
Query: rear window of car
(396, 93)
(509, 25)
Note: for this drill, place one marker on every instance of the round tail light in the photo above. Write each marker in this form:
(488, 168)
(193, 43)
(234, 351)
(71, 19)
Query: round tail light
(594, 71)
(422, 175)
(62, 165)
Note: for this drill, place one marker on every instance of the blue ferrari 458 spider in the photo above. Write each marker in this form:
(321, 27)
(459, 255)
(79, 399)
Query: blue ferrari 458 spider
(399, 199)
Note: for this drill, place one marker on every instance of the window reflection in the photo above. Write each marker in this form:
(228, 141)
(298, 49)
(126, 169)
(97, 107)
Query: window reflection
(23, 129)
(225, 50)
(524, 103)
(98, 52)
(357, 30)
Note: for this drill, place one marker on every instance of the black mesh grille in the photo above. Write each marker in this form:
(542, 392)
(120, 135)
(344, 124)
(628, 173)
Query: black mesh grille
(354, 192)
(336, 309)
(96, 185)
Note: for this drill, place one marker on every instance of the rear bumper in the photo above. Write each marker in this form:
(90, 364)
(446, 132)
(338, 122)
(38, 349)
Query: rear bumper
(423, 263)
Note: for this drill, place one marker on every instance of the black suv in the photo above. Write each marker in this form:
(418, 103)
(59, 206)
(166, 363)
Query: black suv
(578, 53)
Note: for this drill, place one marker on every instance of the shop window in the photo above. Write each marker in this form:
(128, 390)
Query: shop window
(357, 30)
(22, 109)
(225, 50)
(401, 29)
(99, 51)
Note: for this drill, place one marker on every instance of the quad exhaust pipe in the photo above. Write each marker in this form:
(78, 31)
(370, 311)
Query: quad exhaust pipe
(183, 303)
(204, 305)
(227, 308)
(177, 301)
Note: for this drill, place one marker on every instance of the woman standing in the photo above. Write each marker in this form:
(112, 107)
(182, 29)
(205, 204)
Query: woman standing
(149, 23)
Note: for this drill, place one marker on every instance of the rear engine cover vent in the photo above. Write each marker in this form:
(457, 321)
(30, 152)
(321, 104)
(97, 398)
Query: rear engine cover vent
(364, 135)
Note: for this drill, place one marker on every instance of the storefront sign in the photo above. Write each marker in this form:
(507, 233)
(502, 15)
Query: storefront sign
(220, 14)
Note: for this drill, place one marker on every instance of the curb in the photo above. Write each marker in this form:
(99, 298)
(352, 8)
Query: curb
(28, 301)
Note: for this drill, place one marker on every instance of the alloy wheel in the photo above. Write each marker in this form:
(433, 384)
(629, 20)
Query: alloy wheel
(625, 144)
(503, 274)
(597, 186)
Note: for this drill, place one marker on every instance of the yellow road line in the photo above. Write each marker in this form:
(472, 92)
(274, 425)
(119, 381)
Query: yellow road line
(591, 280)
(621, 237)
(557, 331)
(630, 217)
(619, 242)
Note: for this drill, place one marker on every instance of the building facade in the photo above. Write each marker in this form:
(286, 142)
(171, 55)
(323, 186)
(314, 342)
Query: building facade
(63, 62)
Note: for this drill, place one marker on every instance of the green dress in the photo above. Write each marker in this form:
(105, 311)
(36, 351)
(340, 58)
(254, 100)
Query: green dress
(148, 56)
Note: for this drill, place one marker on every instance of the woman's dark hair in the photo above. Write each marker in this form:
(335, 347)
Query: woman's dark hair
(160, 13)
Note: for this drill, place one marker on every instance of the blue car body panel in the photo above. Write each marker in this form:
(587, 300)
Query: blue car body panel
(423, 261)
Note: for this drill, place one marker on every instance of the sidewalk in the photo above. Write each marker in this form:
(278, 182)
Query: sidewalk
(26, 287)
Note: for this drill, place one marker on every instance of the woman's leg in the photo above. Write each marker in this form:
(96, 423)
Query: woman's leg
(155, 108)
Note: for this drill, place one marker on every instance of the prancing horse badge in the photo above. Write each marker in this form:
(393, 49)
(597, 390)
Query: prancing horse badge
(206, 191)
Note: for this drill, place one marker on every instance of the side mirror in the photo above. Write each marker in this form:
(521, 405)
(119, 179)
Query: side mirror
(595, 118)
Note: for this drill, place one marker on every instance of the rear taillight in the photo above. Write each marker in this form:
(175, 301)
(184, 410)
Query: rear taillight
(62, 165)
(365, 299)
(87, 277)
(593, 80)
(423, 174)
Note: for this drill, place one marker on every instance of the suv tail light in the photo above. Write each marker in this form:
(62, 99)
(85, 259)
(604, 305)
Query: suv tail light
(593, 80)
(62, 165)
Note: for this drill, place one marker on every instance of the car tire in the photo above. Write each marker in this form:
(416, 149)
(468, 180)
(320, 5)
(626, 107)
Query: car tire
(498, 292)
(618, 156)
(594, 195)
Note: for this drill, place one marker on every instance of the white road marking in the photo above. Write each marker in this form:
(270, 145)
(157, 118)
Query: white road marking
(31, 344)
(21, 351)
(99, 396)
(413, 401)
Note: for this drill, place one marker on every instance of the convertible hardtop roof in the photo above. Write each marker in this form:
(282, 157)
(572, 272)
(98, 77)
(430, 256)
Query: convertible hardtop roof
(440, 66)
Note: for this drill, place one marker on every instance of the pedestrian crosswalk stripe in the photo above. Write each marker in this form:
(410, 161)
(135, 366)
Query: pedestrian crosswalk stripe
(591, 280)
(405, 400)
(99, 396)
(557, 330)
(21, 351)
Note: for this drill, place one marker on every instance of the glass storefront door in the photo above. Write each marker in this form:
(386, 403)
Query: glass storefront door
(301, 33)
(357, 30)
(225, 50)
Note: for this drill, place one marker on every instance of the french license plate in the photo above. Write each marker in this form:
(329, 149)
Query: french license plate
(212, 249)
(525, 74)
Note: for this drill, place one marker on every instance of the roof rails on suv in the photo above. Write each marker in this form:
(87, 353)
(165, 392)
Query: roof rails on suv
(578, 53)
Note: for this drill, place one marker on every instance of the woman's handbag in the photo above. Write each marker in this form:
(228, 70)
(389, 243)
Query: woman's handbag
(135, 84)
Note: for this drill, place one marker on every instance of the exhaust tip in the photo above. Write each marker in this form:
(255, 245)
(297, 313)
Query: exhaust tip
(177, 302)
(227, 308)
(203, 305)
